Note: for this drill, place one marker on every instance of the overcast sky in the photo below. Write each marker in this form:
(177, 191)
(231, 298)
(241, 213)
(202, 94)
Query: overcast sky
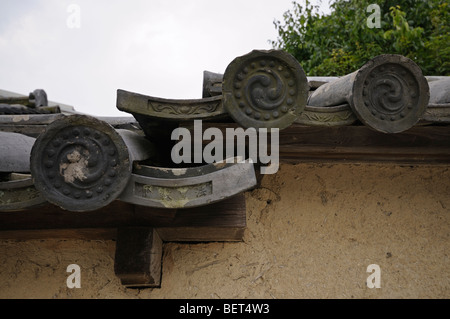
(153, 47)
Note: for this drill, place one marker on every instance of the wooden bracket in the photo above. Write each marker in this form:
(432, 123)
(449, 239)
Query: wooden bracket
(138, 257)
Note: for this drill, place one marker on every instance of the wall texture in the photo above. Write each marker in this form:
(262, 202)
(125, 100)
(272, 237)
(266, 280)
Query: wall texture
(312, 231)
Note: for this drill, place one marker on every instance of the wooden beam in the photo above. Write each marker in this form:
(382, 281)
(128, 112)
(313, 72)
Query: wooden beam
(222, 221)
(420, 144)
(49, 216)
(357, 143)
(69, 233)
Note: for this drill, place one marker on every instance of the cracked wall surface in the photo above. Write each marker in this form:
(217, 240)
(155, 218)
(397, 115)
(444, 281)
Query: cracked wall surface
(312, 231)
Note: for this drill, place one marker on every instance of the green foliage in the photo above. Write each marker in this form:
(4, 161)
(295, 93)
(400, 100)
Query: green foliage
(402, 37)
(341, 42)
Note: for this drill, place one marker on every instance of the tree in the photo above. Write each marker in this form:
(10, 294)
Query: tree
(342, 41)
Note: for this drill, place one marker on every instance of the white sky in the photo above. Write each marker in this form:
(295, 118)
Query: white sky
(152, 47)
